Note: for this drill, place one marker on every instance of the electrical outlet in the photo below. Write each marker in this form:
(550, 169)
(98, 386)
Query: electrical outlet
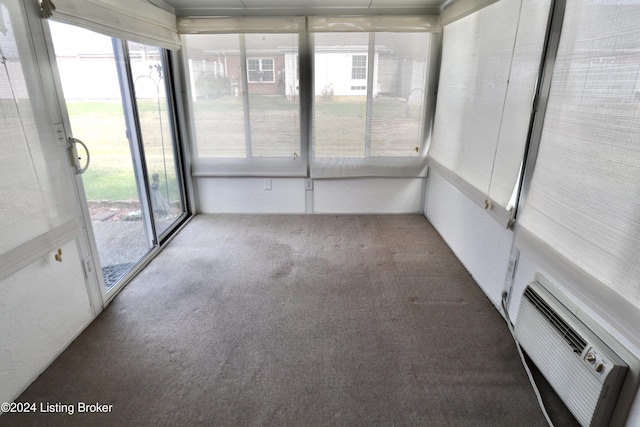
(308, 184)
(267, 183)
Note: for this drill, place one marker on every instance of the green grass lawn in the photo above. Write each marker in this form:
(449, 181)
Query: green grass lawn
(101, 125)
(339, 127)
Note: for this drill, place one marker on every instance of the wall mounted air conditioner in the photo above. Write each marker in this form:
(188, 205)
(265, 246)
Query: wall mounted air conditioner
(585, 373)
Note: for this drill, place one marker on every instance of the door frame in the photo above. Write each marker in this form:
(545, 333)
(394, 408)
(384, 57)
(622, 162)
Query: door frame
(96, 288)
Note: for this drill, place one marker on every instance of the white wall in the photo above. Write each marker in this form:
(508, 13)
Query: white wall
(368, 195)
(250, 195)
(480, 243)
(43, 307)
(290, 196)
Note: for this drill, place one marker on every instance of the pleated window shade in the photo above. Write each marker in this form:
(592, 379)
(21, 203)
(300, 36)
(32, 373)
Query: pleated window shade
(584, 201)
(136, 20)
(490, 65)
(36, 189)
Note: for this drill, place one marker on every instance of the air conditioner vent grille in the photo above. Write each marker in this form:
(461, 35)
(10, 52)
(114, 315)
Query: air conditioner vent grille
(572, 338)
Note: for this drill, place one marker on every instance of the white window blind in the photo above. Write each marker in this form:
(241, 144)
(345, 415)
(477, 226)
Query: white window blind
(388, 23)
(240, 24)
(244, 96)
(136, 20)
(488, 76)
(584, 201)
(370, 96)
(37, 201)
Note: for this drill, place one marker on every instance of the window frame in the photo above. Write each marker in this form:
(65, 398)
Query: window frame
(253, 162)
(305, 26)
(261, 69)
(358, 69)
(372, 162)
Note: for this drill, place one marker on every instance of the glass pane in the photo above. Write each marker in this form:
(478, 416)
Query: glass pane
(359, 67)
(91, 87)
(216, 95)
(273, 105)
(340, 94)
(147, 69)
(398, 103)
(272, 112)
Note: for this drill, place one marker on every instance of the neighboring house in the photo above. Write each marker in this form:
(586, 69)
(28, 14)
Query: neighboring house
(220, 74)
(344, 71)
(339, 71)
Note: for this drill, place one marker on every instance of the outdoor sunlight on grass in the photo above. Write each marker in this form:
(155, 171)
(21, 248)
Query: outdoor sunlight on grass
(339, 127)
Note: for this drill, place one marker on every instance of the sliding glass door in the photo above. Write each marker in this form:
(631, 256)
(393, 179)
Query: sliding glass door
(117, 105)
(156, 131)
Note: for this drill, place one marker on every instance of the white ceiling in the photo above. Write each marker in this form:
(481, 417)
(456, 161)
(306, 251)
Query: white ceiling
(309, 7)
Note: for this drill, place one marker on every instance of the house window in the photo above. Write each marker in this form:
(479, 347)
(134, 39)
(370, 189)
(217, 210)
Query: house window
(260, 70)
(359, 67)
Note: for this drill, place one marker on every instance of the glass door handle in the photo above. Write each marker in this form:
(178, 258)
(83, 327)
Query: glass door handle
(75, 158)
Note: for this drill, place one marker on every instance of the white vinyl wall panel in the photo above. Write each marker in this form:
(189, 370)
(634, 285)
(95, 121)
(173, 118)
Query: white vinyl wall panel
(248, 195)
(368, 195)
(43, 307)
(480, 243)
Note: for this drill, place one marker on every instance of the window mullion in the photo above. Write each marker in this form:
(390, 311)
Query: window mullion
(245, 95)
(370, 65)
(306, 58)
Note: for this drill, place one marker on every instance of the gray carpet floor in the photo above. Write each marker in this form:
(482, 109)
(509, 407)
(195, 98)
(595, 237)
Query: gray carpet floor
(296, 320)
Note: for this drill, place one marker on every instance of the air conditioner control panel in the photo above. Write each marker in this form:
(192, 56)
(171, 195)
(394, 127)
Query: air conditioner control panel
(596, 362)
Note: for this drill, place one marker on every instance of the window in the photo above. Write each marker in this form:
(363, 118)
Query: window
(368, 95)
(244, 113)
(359, 67)
(260, 70)
(376, 109)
